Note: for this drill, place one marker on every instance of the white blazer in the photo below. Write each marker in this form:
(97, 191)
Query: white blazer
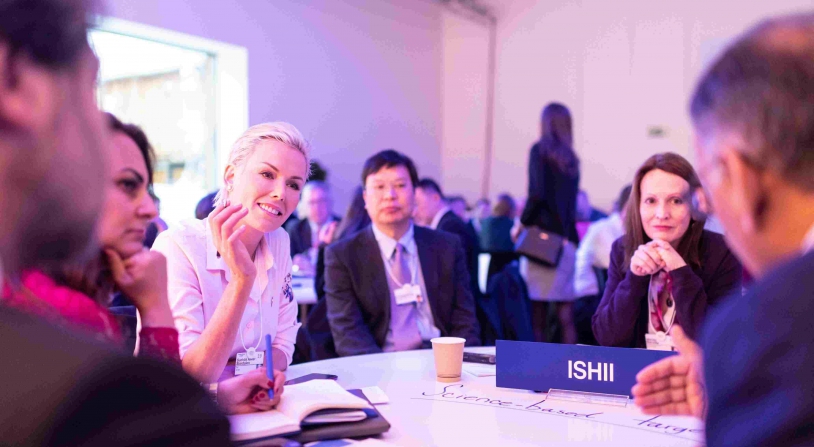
(198, 276)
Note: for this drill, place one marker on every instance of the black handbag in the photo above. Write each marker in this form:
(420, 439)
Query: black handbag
(539, 245)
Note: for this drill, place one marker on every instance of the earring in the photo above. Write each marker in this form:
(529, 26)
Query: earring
(229, 188)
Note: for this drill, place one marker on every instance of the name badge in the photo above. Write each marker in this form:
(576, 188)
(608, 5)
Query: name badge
(248, 361)
(659, 342)
(408, 293)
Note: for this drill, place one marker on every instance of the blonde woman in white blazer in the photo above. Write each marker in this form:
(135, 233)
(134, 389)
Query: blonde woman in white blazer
(230, 274)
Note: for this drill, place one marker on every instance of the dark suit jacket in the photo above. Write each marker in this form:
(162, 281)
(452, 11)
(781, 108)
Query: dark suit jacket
(299, 232)
(60, 389)
(451, 223)
(358, 295)
(758, 362)
(622, 316)
(495, 234)
(552, 198)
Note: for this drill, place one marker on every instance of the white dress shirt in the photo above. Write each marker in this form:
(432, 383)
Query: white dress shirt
(594, 251)
(387, 245)
(198, 277)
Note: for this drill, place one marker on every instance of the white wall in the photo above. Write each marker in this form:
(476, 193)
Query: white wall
(355, 76)
(464, 97)
(621, 66)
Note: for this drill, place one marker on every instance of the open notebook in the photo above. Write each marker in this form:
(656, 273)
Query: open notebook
(297, 403)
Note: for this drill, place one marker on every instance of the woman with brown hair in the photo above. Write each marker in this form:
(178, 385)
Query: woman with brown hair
(667, 270)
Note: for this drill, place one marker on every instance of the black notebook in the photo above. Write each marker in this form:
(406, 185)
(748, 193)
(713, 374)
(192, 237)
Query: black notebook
(297, 403)
(374, 424)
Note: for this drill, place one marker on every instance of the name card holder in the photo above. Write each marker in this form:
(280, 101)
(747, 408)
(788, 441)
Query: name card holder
(614, 400)
(572, 372)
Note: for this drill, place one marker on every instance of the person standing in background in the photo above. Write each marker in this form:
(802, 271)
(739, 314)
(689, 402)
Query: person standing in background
(551, 206)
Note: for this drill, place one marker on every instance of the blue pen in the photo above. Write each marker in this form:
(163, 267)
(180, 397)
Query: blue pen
(269, 366)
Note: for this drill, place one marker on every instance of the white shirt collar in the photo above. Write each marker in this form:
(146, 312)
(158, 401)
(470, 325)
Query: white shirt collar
(437, 219)
(388, 245)
(808, 240)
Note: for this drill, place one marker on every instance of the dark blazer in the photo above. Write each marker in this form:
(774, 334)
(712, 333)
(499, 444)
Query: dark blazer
(358, 295)
(59, 388)
(451, 223)
(552, 197)
(299, 232)
(758, 362)
(496, 234)
(622, 316)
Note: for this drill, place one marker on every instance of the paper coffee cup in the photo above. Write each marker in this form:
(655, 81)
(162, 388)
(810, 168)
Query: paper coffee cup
(449, 358)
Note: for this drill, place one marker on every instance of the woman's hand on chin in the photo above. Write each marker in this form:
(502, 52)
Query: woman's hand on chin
(143, 278)
(226, 235)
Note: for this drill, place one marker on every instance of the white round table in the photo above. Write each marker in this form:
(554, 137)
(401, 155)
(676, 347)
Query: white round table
(474, 412)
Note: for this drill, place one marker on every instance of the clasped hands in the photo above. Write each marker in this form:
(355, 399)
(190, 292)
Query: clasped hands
(654, 256)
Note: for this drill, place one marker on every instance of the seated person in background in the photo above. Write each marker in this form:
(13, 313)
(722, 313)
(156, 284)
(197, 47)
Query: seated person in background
(230, 274)
(667, 270)
(316, 206)
(355, 220)
(394, 286)
(205, 206)
(483, 209)
(157, 225)
(431, 211)
(586, 213)
(495, 233)
(593, 257)
(79, 294)
(458, 206)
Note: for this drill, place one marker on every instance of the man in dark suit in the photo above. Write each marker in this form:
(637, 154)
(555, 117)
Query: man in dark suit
(395, 286)
(431, 210)
(315, 205)
(752, 113)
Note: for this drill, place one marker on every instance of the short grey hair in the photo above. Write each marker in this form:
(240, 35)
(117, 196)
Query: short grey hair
(243, 147)
(306, 192)
(759, 93)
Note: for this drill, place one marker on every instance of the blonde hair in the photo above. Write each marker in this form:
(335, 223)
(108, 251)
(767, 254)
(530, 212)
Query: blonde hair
(280, 131)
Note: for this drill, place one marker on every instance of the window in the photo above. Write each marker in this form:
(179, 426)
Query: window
(170, 85)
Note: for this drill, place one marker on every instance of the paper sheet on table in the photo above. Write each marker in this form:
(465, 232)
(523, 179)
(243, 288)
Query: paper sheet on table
(480, 369)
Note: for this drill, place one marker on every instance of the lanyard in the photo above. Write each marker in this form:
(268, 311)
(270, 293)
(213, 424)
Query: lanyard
(659, 312)
(260, 310)
(413, 271)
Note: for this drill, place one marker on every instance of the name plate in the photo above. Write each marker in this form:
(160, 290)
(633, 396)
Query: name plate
(544, 366)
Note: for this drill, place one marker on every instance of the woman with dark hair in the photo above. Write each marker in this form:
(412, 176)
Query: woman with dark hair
(667, 270)
(356, 217)
(77, 296)
(551, 206)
